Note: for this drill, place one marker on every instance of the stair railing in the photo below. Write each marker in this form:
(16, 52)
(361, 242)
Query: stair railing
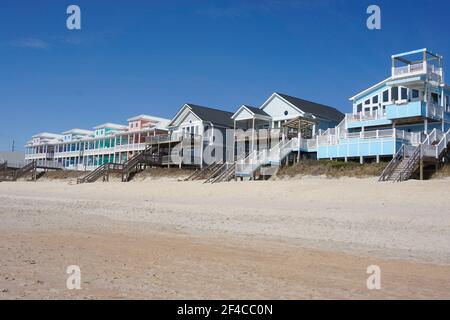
(389, 169)
(411, 165)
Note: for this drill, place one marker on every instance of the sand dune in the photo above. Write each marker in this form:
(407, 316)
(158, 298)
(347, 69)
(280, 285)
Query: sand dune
(308, 238)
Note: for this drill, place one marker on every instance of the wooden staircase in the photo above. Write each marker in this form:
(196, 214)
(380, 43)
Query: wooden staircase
(226, 173)
(102, 171)
(29, 167)
(12, 174)
(409, 159)
(205, 173)
(139, 162)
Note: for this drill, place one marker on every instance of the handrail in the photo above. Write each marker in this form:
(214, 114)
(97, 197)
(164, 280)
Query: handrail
(387, 172)
(442, 145)
(410, 166)
(21, 171)
(94, 175)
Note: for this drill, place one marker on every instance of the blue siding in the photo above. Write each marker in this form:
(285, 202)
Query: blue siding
(359, 148)
(412, 109)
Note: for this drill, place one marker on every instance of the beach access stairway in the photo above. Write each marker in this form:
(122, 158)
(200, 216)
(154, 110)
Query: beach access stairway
(270, 159)
(14, 172)
(102, 171)
(139, 162)
(204, 173)
(409, 159)
(223, 174)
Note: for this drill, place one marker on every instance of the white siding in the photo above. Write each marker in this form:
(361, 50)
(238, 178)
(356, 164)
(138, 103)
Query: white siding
(276, 108)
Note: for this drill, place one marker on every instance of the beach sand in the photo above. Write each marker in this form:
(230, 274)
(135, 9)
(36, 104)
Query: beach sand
(307, 238)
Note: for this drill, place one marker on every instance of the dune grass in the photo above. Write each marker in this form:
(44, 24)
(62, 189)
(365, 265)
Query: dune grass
(331, 169)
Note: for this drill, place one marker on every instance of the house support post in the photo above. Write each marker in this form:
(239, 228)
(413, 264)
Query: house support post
(421, 169)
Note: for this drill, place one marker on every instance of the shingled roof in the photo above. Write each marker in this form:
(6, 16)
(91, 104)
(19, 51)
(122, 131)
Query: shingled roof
(215, 116)
(256, 110)
(317, 109)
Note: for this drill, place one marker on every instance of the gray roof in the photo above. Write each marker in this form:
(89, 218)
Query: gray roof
(215, 116)
(256, 110)
(317, 109)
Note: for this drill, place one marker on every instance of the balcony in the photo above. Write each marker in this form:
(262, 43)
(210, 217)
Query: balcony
(166, 138)
(414, 64)
(415, 109)
(367, 119)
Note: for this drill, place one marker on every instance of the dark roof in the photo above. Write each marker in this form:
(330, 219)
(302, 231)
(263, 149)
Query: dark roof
(317, 109)
(256, 110)
(215, 116)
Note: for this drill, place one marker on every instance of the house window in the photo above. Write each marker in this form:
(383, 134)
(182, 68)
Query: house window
(359, 108)
(375, 99)
(286, 113)
(415, 94)
(367, 101)
(386, 96)
(404, 93)
(434, 98)
(394, 93)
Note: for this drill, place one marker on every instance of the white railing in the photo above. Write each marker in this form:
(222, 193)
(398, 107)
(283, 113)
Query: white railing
(429, 150)
(172, 137)
(311, 144)
(409, 69)
(365, 115)
(281, 150)
(440, 147)
(249, 164)
(434, 111)
(375, 134)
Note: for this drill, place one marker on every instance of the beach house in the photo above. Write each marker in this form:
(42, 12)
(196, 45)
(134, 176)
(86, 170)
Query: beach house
(403, 119)
(80, 149)
(195, 134)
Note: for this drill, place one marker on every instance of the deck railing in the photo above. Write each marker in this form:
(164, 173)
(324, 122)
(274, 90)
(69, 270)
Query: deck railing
(327, 140)
(365, 115)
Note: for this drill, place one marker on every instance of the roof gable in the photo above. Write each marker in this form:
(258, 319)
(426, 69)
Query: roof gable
(277, 107)
(316, 109)
(215, 116)
(181, 115)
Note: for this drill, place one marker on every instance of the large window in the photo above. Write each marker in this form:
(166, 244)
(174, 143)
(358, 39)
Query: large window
(394, 93)
(359, 107)
(375, 99)
(434, 98)
(404, 93)
(386, 96)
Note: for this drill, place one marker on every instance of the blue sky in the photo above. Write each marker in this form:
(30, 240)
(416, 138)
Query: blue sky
(133, 57)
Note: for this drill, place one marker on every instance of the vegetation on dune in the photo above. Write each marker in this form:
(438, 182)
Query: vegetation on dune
(443, 172)
(331, 169)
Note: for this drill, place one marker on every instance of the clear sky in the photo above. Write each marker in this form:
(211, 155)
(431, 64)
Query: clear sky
(133, 57)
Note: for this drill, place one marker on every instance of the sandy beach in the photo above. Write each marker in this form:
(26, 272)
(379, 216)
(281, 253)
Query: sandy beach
(305, 238)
